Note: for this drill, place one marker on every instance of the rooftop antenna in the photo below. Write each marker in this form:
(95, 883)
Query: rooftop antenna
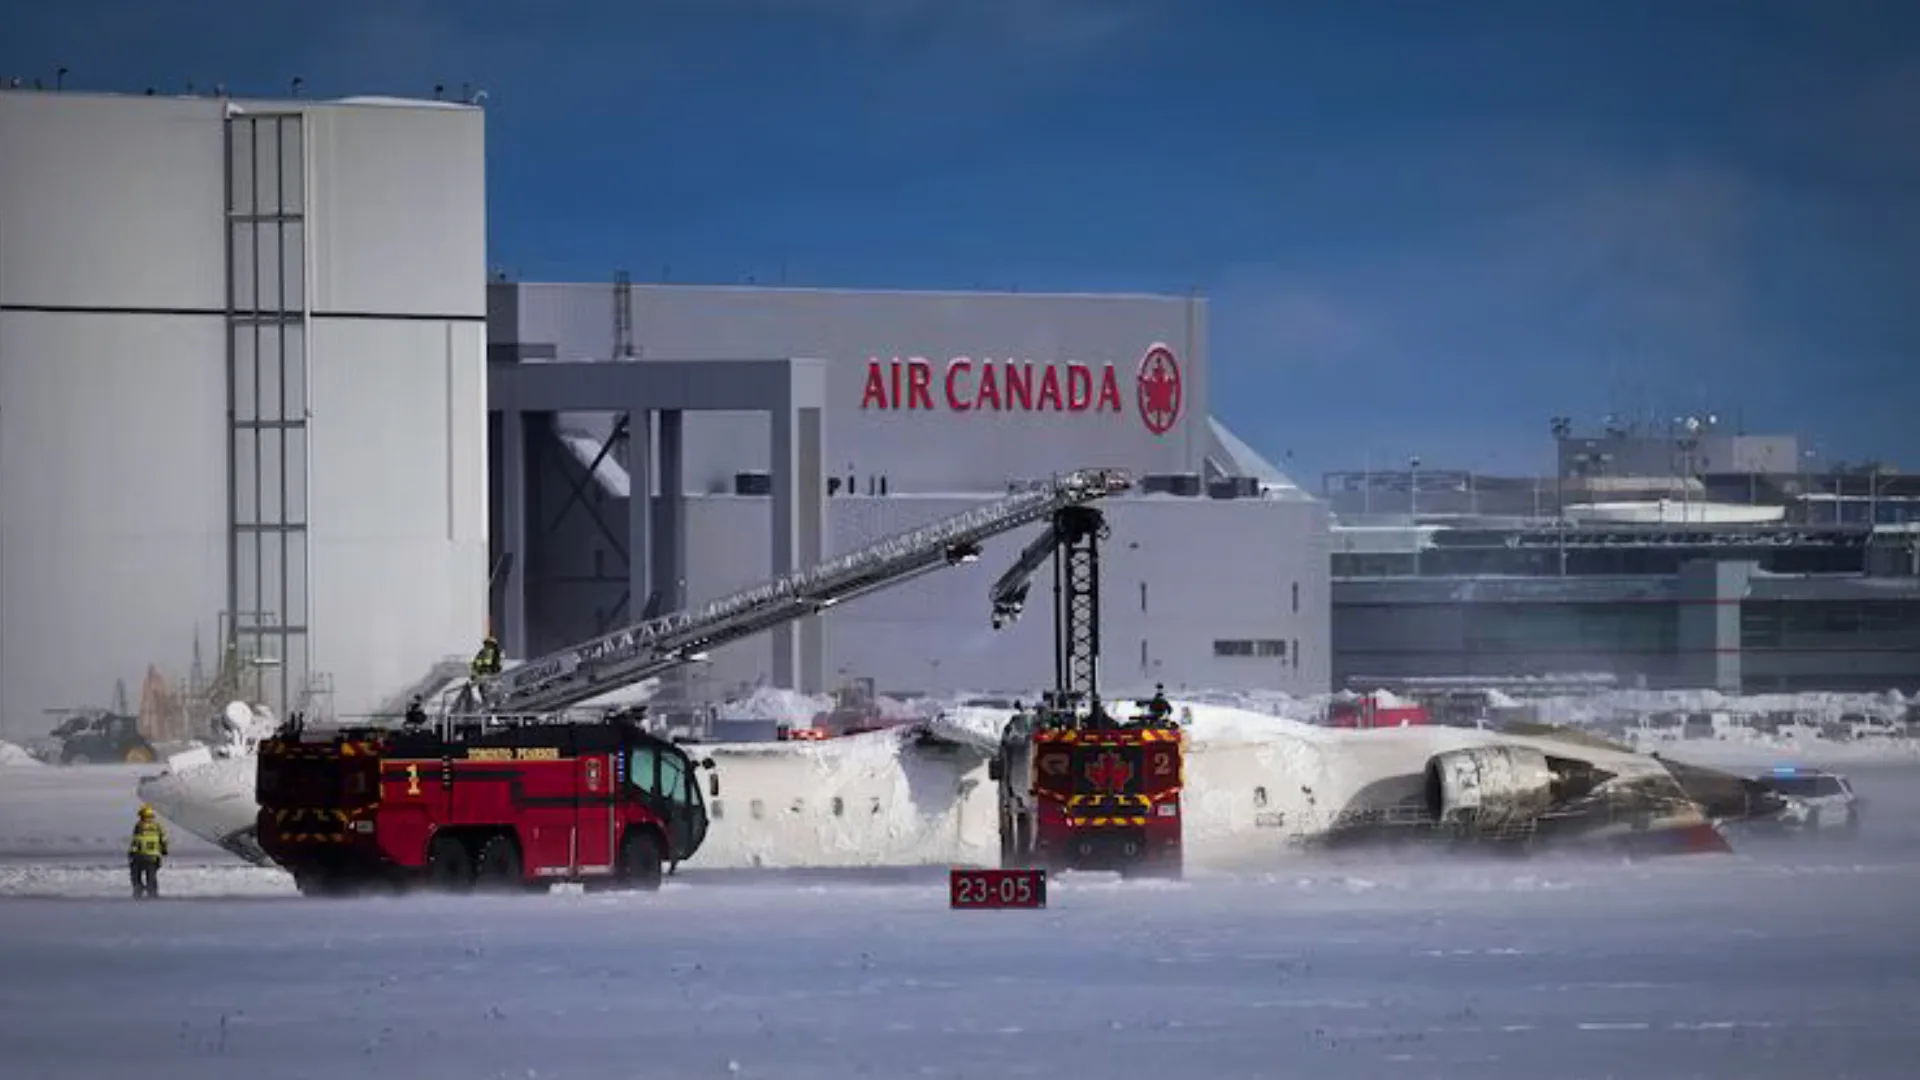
(439, 91)
(220, 90)
(479, 95)
(189, 87)
(60, 79)
(298, 82)
(466, 91)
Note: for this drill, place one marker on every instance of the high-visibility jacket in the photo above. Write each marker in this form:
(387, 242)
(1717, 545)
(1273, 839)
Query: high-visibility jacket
(486, 661)
(149, 840)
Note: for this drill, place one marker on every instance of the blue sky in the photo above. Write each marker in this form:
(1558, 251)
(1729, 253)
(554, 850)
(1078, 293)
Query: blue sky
(1423, 227)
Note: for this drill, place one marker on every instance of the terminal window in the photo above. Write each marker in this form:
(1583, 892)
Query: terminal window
(1250, 647)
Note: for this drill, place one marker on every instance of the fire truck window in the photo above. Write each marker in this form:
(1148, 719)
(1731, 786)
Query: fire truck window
(641, 769)
(673, 778)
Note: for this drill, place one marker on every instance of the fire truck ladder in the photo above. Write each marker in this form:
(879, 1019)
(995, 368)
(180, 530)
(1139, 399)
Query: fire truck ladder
(1073, 542)
(571, 676)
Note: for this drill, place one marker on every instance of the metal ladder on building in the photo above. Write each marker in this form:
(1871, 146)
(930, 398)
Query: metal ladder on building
(574, 675)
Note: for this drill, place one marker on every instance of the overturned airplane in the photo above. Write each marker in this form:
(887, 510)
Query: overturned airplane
(1257, 786)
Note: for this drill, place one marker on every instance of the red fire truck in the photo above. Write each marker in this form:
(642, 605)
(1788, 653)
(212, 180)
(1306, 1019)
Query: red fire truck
(1090, 793)
(501, 804)
(1079, 787)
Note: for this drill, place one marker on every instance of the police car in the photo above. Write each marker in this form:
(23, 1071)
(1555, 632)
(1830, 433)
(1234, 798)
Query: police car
(1817, 801)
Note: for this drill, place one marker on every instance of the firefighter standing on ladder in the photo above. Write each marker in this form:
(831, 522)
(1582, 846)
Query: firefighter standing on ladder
(145, 850)
(487, 661)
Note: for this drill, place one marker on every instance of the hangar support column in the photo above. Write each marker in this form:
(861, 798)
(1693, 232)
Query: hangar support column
(640, 571)
(1711, 593)
(669, 552)
(799, 653)
(509, 602)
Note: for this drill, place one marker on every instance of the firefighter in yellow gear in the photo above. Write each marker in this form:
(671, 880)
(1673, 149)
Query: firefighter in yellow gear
(487, 661)
(144, 853)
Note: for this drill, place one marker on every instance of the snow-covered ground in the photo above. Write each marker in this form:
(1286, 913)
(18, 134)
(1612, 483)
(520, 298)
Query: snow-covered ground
(1784, 960)
(1785, 964)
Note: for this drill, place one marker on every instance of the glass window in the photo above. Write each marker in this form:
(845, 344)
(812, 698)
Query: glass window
(641, 768)
(1808, 787)
(673, 778)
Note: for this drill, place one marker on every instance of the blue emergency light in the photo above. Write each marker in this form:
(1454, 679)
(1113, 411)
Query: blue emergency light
(1785, 770)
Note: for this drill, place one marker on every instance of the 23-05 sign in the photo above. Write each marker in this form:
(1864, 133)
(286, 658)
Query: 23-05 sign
(997, 889)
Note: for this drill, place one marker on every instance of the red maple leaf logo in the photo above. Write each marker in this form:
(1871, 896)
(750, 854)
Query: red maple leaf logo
(1109, 772)
(1158, 383)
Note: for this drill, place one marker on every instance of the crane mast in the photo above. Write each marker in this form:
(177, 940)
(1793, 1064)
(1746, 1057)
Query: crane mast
(1072, 542)
(590, 669)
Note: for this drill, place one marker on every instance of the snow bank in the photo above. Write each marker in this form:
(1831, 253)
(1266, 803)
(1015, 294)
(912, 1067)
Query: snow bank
(773, 703)
(12, 755)
(1757, 751)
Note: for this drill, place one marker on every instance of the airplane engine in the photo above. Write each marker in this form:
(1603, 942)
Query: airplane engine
(1488, 788)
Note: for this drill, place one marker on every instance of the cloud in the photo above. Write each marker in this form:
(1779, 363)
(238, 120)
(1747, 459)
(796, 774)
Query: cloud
(1294, 322)
(1589, 286)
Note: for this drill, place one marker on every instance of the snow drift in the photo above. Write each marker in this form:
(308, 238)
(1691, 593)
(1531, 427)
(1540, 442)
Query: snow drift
(11, 754)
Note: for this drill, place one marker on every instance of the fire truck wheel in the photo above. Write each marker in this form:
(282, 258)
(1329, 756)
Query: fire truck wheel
(449, 866)
(640, 861)
(498, 869)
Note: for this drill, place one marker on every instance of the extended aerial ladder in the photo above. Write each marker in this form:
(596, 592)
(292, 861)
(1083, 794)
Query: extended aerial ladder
(591, 669)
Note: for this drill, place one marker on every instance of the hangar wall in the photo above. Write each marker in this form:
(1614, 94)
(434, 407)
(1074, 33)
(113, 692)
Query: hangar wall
(356, 378)
(920, 441)
(1196, 593)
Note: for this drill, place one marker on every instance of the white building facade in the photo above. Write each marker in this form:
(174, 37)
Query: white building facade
(242, 393)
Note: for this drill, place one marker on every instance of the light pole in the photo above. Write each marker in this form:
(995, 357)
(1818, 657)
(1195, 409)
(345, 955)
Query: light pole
(1562, 428)
(1413, 507)
(1688, 442)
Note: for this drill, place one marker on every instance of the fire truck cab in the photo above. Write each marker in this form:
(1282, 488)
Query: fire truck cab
(499, 804)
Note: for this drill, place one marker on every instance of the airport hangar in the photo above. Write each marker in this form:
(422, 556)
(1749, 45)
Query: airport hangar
(885, 411)
(244, 383)
(242, 392)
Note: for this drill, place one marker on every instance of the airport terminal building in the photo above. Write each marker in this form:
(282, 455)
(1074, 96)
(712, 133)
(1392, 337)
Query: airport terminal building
(888, 410)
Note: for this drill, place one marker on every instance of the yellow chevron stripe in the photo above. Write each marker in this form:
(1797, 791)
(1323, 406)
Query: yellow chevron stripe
(1109, 800)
